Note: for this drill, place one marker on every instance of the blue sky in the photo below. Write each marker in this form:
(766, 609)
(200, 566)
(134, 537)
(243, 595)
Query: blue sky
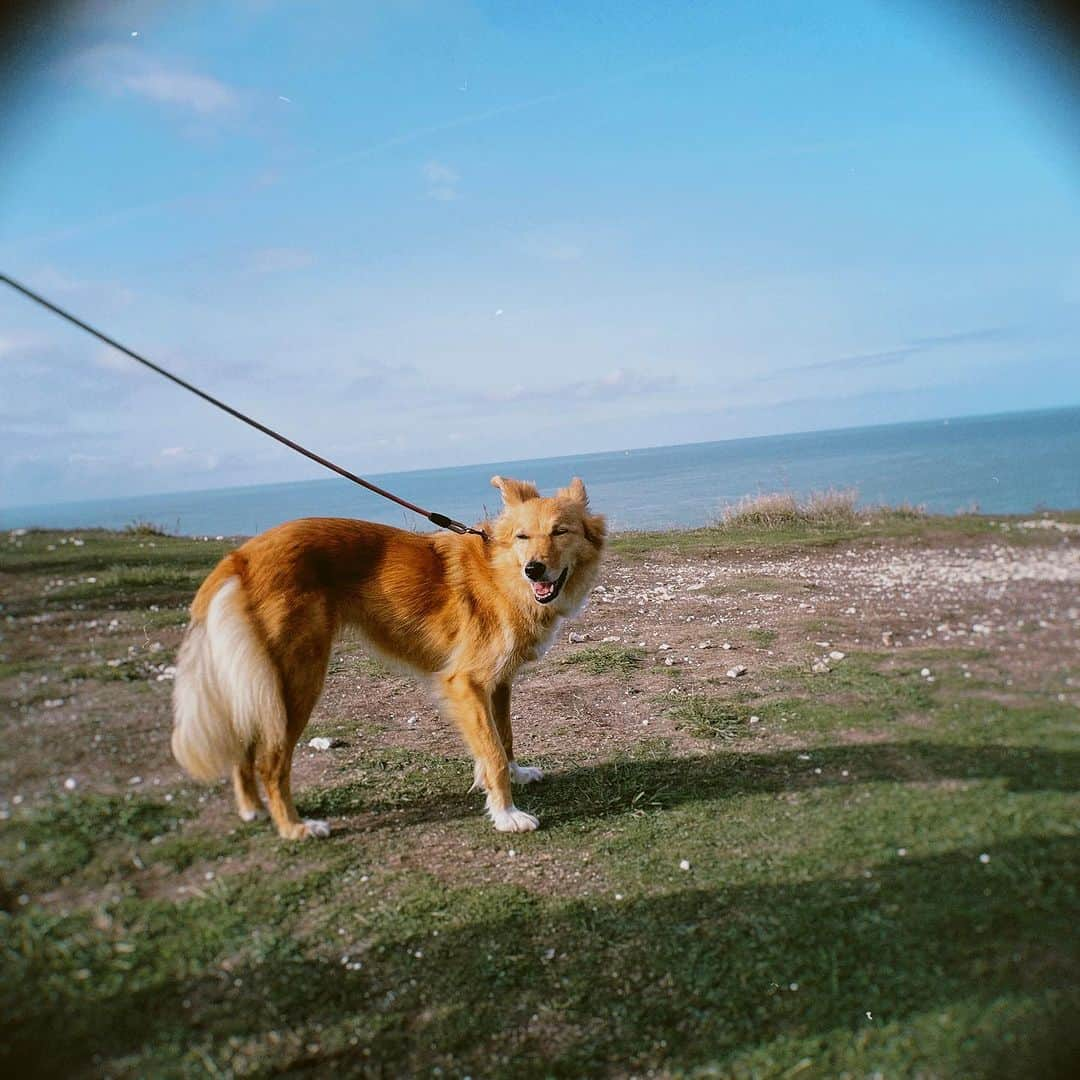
(416, 234)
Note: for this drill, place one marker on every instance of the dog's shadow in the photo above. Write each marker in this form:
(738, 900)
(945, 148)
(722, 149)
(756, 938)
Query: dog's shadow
(578, 793)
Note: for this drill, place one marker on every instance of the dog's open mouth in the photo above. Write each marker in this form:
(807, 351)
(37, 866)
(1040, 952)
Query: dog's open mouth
(546, 591)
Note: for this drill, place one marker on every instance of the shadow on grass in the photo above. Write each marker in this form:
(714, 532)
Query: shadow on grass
(615, 787)
(530, 986)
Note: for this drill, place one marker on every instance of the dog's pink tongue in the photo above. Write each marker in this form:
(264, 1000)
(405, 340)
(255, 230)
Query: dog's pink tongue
(543, 588)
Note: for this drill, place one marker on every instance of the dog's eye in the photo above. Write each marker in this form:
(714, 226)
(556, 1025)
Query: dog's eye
(522, 536)
(559, 530)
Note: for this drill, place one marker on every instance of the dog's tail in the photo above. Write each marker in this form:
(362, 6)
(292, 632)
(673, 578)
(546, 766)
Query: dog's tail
(227, 694)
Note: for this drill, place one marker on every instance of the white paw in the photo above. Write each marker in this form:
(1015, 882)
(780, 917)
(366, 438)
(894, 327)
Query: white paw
(525, 774)
(513, 820)
(318, 829)
(252, 815)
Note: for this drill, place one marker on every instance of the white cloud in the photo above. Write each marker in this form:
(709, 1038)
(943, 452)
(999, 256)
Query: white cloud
(125, 70)
(442, 181)
(109, 359)
(56, 283)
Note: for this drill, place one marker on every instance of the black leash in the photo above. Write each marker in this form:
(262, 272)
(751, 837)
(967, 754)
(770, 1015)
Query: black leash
(441, 520)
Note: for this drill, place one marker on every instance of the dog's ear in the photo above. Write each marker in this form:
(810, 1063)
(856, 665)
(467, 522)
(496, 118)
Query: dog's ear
(515, 491)
(574, 492)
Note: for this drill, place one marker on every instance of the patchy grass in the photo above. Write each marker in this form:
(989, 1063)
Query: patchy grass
(372, 668)
(811, 531)
(881, 876)
(73, 831)
(761, 636)
(605, 659)
(796, 919)
(706, 717)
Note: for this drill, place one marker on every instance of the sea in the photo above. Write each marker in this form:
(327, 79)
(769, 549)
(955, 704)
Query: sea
(1012, 463)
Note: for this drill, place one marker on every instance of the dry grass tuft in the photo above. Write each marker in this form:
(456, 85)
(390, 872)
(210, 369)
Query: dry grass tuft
(782, 509)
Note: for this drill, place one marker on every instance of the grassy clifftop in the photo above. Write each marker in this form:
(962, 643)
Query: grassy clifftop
(858, 856)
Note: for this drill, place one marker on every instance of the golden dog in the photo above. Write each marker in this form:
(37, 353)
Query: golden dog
(464, 610)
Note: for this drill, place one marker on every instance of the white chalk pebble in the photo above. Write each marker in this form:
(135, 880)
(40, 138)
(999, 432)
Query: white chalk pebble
(925, 673)
(71, 783)
(320, 742)
(901, 851)
(836, 654)
(984, 858)
(755, 719)
(684, 864)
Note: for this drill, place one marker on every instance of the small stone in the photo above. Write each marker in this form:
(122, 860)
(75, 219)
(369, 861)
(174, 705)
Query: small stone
(726, 645)
(71, 783)
(737, 671)
(836, 654)
(755, 719)
(925, 673)
(819, 667)
(684, 864)
(901, 851)
(984, 858)
(575, 638)
(320, 742)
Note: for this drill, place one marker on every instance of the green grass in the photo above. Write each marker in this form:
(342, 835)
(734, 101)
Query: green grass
(371, 667)
(706, 717)
(605, 659)
(796, 918)
(75, 831)
(761, 636)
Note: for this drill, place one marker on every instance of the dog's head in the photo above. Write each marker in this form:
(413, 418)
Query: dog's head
(553, 543)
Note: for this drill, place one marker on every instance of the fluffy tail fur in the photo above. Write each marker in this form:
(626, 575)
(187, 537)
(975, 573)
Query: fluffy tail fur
(227, 693)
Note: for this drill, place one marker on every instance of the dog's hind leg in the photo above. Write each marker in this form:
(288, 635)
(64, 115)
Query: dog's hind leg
(303, 669)
(471, 708)
(245, 789)
(500, 711)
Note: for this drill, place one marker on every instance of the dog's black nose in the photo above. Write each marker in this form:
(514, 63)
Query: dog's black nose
(534, 570)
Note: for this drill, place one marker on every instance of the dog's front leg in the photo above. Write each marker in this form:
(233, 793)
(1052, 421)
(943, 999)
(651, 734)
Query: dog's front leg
(469, 702)
(500, 709)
